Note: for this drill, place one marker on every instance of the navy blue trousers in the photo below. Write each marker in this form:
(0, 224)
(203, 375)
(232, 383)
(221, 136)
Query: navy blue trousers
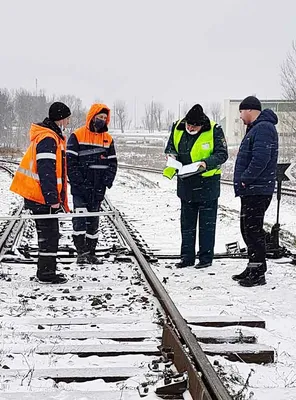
(85, 233)
(48, 239)
(206, 213)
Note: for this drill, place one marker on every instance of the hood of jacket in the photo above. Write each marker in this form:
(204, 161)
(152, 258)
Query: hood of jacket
(266, 116)
(94, 110)
(44, 127)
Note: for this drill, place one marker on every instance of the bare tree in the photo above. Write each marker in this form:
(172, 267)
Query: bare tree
(288, 83)
(148, 120)
(288, 74)
(169, 119)
(121, 115)
(78, 111)
(157, 115)
(6, 118)
(153, 116)
(215, 111)
(185, 109)
(28, 108)
(20, 108)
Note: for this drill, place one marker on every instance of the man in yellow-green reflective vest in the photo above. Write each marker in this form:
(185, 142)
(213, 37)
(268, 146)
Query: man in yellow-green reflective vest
(196, 138)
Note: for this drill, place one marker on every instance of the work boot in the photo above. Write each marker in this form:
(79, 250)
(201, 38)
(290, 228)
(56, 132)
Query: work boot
(87, 258)
(82, 258)
(93, 259)
(80, 243)
(255, 276)
(54, 279)
(184, 263)
(261, 265)
(242, 275)
(202, 264)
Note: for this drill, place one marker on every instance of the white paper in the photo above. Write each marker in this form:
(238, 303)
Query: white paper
(189, 169)
(172, 162)
(183, 170)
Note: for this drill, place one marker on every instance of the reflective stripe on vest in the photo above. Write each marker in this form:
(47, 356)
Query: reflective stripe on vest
(95, 140)
(202, 149)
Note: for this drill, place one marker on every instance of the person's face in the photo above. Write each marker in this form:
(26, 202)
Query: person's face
(192, 128)
(66, 122)
(101, 116)
(63, 123)
(245, 116)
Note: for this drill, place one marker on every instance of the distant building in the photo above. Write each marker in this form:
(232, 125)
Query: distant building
(234, 128)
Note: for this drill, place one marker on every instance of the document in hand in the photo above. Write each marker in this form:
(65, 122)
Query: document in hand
(185, 170)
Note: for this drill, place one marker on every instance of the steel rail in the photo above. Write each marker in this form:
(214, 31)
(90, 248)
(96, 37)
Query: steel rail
(15, 219)
(285, 190)
(61, 216)
(210, 378)
(10, 161)
(7, 231)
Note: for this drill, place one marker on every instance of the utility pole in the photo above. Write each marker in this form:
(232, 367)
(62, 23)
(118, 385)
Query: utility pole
(36, 85)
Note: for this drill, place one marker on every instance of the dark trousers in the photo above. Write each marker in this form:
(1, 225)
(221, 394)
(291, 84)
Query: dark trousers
(48, 239)
(85, 235)
(253, 209)
(206, 212)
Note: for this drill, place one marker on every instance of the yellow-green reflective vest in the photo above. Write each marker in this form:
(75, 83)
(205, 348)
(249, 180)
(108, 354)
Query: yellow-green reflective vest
(202, 149)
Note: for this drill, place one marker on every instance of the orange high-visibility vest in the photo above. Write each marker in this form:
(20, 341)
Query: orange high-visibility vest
(88, 138)
(26, 181)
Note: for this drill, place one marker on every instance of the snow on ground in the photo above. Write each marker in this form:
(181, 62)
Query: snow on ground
(8, 199)
(150, 201)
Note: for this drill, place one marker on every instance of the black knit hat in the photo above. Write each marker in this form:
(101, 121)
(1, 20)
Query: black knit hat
(103, 111)
(58, 111)
(250, 103)
(195, 115)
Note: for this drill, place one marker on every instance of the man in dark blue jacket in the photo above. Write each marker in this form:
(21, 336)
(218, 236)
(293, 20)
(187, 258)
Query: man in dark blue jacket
(254, 182)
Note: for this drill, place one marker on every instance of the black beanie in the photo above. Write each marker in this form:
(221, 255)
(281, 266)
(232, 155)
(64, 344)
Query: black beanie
(195, 115)
(250, 103)
(103, 111)
(58, 111)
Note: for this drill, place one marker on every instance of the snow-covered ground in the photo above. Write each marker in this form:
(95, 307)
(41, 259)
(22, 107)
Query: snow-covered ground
(150, 201)
(8, 200)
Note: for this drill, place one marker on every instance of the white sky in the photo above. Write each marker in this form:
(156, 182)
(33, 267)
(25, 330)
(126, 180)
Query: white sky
(136, 50)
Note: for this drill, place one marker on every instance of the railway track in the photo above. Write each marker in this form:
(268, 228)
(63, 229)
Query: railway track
(111, 332)
(10, 230)
(285, 190)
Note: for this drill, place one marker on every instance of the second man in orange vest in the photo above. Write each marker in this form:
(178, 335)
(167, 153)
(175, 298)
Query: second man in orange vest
(92, 166)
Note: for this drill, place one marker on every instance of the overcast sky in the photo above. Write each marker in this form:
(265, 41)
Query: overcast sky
(136, 50)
